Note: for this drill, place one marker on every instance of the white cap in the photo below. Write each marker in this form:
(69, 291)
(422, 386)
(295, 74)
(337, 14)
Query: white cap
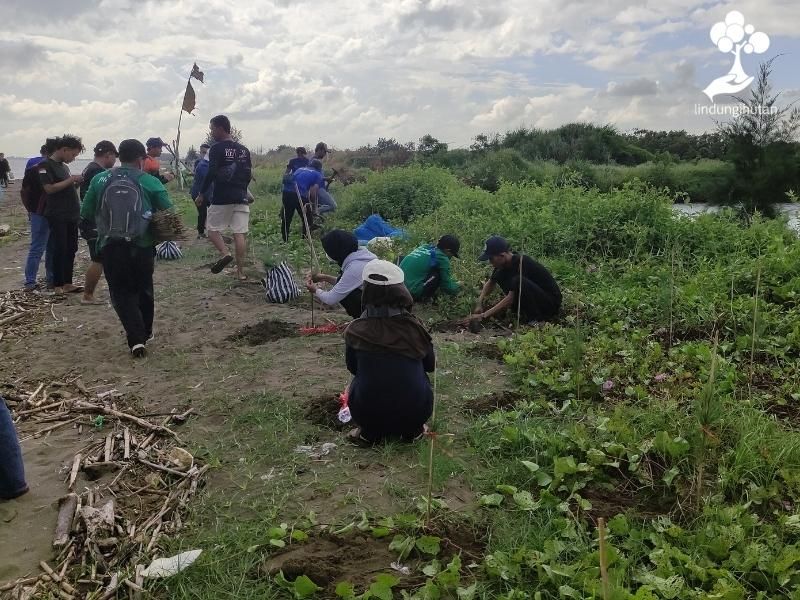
(387, 273)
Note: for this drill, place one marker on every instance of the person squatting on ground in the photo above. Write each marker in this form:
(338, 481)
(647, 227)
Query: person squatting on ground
(33, 199)
(389, 352)
(105, 157)
(12, 471)
(427, 269)
(230, 171)
(62, 210)
(200, 172)
(152, 163)
(120, 202)
(528, 286)
(289, 196)
(342, 248)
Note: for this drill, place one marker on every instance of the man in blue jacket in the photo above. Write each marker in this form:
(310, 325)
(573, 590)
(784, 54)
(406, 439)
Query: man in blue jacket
(200, 172)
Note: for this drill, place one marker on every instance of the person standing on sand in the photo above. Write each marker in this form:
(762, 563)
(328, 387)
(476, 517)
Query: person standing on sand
(62, 209)
(230, 172)
(105, 157)
(33, 199)
(5, 169)
(152, 164)
(200, 172)
(124, 239)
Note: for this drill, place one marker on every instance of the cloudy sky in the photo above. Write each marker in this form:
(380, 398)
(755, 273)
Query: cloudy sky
(348, 72)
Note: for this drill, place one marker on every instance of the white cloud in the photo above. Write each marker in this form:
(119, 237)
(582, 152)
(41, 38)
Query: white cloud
(349, 72)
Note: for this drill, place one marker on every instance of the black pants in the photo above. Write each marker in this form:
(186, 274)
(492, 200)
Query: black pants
(291, 206)
(63, 243)
(352, 303)
(431, 285)
(537, 304)
(129, 272)
(202, 215)
(4, 179)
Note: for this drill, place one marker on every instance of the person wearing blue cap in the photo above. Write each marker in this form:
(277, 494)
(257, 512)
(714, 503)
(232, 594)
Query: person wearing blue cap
(152, 164)
(528, 286)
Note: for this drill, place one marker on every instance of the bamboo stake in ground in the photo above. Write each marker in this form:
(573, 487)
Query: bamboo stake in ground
(601, 528)
(432, 436)
(519, 291)
(314, 264)
(755, 320)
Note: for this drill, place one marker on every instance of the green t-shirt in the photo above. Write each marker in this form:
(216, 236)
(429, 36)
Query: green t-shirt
(418, 265)
(155, 198)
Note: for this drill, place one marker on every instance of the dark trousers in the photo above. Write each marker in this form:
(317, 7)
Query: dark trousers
(129, 273)
(352, 303)
(537, 304)
(431, 285)
(4, 179)
(63, 243)
(291, 206)
(12, 472)
(202, 215)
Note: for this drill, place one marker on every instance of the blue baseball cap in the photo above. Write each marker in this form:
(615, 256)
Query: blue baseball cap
(155, 142)
(494, 246)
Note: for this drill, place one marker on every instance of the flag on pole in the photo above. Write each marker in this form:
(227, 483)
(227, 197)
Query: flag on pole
(189, 98)
(197, 73)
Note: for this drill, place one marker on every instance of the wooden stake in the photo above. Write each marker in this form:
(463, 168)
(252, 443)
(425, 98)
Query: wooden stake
(66, 512)
(74, 473)
(430, 454)
(519, 291)
(127, 436)
(601, 527)
(109, 448)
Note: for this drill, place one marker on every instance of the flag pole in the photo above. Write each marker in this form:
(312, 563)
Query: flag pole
(177, 154)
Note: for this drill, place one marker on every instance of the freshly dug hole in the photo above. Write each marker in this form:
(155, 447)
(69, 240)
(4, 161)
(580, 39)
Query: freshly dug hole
(261, 333)
(324, 411)
(491, 402)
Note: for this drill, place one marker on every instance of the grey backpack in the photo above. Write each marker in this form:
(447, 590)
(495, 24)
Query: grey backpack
(121, 214)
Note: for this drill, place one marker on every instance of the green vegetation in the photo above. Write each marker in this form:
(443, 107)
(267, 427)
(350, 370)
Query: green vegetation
(664, 400)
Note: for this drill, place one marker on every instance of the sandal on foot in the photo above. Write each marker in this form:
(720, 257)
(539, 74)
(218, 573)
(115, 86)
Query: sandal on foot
(355, 438)
(221, 264)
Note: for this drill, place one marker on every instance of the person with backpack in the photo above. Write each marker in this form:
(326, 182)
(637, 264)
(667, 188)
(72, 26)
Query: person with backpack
(33, 199)
(105, 157)
(121, 203)
(342, 248)
(62, 210)
(289, 196)
(427, 268)
(230, 172)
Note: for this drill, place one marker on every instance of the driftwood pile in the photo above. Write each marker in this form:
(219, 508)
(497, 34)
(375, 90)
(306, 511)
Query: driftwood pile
(19, 311)
(140, 480)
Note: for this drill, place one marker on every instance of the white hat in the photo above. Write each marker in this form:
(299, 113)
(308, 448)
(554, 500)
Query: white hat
(382, 272)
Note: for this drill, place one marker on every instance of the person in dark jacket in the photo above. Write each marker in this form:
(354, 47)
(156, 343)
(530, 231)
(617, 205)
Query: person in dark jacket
(105, 157)
(342, 248)
(200, 172)
(389, 352)
(33, 199)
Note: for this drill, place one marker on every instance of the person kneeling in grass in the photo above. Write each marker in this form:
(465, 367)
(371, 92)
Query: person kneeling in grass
(427, 269)
(342, 248)
(528, 287)
(389, 352)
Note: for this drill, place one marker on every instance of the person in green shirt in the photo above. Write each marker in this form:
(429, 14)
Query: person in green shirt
(427, 268)
(129, 264)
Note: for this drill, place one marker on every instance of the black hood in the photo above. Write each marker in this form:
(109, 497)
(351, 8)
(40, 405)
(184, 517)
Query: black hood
(339, 244)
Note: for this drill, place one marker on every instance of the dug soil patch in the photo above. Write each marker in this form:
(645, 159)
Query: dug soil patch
(264, 332)
(491, 402)
(331, 559)
(486, 350)
(609, 503)
(324, 411)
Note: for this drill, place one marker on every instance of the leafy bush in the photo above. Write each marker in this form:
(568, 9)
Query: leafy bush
(398, 195)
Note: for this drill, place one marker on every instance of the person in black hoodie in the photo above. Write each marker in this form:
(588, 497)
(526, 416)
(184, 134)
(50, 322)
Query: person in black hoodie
(389, 352)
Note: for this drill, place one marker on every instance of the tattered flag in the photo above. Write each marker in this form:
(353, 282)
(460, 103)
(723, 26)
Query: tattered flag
(189, 98)
(197, 73)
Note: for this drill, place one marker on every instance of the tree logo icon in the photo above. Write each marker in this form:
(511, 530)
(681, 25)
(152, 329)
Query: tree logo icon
(732, 36)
